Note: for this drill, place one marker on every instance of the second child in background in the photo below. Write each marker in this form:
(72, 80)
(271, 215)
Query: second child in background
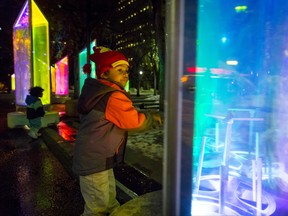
(34, 110)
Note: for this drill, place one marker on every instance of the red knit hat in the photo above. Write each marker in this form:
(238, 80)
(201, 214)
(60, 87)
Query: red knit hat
(105, 59)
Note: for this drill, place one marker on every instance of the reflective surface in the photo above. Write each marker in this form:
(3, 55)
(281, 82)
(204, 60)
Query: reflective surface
(240, 148)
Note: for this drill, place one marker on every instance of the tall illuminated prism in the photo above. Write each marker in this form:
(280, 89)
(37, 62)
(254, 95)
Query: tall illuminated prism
(31, 52)
(62, 79)
(82, 62)
(53, 79)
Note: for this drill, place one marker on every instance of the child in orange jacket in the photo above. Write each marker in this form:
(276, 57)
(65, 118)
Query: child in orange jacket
(106, 116)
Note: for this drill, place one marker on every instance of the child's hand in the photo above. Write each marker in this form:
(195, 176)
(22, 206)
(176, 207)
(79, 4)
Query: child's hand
(157, 118)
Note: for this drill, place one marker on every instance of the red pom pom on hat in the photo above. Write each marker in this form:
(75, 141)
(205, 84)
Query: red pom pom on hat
(105, 59)
(87, 69)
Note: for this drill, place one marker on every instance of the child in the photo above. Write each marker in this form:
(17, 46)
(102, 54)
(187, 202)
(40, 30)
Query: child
(34, 111)
(106, 115)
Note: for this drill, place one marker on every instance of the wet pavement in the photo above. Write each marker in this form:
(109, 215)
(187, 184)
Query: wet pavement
(33, 181)
(36, 177)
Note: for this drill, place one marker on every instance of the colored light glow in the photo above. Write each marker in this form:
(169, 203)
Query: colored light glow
(41, 55)
(53, 79)
(13, 82)
(184, 79)
(242, 8)
(127, 87)
(220, 71)
(62, 79)
(232, 62)
(68, 133)
(196, 69)
(23, 18)
(31, 70)
(233, 109)
(82, 62)
(22, 55)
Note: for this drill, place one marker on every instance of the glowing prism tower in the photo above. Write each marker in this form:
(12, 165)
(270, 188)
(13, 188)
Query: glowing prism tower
(31, 52)
(62, 79)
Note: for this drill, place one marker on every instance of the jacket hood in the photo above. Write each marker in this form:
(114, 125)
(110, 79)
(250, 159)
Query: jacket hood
(92, 92)
(30, 99)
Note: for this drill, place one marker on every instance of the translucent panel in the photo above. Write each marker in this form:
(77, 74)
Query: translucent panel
(13, 82)
(41, 57)
(240, 144)
(53, 79)
(62, 78)
(82, 62)
(31, 66)
(127, 87)
(22, 55)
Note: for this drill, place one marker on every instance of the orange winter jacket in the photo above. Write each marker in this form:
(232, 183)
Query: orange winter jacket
(106, 115)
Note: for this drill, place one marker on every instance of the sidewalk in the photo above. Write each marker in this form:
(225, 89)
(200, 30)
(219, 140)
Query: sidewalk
(33, 181)
(140, 175)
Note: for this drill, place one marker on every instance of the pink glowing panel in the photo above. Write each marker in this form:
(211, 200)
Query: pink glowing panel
(62, 79)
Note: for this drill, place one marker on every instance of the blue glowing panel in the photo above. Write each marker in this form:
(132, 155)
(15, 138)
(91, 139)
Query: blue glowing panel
(240, 144)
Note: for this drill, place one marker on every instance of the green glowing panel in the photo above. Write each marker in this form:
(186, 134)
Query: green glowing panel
(210, 83)
(82, 62)
(41, 57)
(127, 87)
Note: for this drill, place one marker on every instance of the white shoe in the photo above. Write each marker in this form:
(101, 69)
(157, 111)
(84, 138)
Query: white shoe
(32, 135)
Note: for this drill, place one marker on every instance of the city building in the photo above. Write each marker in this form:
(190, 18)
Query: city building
(135, 37)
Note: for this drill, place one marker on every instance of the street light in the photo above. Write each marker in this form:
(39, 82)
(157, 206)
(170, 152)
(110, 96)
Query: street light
(139, 80)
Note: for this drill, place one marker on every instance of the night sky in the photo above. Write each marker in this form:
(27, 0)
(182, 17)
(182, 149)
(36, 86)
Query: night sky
(9, 12)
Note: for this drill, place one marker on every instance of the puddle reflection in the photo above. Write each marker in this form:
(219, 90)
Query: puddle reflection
(67, 132)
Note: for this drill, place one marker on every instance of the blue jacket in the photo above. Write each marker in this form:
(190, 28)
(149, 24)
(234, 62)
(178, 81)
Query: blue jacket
(34, 107)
